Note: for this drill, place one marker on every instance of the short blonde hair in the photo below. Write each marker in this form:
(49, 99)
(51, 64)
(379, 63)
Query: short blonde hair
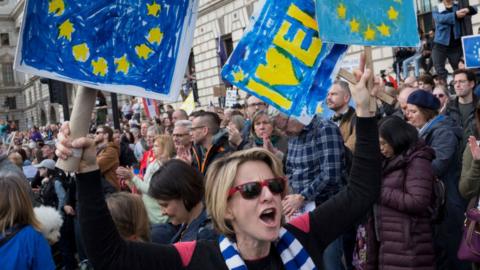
(15, 202)
(221, 177)
(168, 147)
(129, 215)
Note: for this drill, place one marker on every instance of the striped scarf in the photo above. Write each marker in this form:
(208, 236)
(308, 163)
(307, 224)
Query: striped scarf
(294, 256)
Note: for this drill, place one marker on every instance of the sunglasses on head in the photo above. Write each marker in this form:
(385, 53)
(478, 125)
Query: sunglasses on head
(252, 190)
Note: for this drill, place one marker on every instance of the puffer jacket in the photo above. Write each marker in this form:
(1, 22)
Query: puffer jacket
(402, 218)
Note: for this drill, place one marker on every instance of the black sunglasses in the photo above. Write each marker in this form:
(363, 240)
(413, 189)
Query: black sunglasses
(252, 190)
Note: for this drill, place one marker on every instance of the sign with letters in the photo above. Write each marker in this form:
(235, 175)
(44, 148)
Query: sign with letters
(282, 60)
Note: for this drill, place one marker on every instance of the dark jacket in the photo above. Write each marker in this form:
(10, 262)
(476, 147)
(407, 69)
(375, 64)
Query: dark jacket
(402, 217)
(127, 157)
(445, 137)
(220, 147)
(453, 111)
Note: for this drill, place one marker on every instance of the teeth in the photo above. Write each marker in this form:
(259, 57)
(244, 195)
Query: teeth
(268, 211)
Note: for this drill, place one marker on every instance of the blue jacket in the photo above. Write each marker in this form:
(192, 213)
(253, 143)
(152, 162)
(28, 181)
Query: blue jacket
(200, 228)
(445, 137)
(443, 22)
(27, 250)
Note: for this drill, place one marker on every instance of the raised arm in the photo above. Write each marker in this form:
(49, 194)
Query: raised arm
(339, 213)
(104, 246)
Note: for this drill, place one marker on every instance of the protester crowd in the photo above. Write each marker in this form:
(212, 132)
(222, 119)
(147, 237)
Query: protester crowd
(248, 187)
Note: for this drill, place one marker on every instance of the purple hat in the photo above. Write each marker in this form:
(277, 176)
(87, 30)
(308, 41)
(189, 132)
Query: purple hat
(424, 99)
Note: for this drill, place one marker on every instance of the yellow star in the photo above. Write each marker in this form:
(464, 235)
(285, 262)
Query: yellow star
(122, 64)
(57, 7)
(354, 26)
(341, 11)
(369, 34)
(239, 76)
(81, 52)
(100, 67)
(392, 13)
(155, 35)
(143, 51)
(65, 30)
(153, 9)
(384, 30)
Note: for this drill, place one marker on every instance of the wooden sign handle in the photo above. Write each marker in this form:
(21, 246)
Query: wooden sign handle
(369, 65)
(79, 124)
(349, 77)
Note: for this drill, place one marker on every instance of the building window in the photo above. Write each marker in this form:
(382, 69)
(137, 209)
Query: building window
(424, 6)
(5, 39)
(11, 103)
(7, 74)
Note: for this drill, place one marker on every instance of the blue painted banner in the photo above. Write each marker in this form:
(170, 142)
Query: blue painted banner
(282, 61)
(368, 23)
(134, 47)
(471, 51)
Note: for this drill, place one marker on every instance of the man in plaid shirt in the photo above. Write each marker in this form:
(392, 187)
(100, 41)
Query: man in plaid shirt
(315, 169)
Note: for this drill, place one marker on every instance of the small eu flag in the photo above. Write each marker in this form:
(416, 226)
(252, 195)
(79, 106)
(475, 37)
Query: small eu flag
(471, 51)
(368, 23)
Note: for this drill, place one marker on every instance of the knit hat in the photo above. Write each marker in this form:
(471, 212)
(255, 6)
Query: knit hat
(424, 99)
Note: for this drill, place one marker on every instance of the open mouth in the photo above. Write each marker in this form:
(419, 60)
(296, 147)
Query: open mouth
(268, 216)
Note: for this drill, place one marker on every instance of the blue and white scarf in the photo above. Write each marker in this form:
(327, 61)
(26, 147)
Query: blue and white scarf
(294, 256)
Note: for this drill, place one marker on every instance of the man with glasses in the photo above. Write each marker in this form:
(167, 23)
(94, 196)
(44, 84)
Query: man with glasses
(315, 168)
(252, 105)
(182, 139)
(210, 142)
(462, 108)
(108, 153)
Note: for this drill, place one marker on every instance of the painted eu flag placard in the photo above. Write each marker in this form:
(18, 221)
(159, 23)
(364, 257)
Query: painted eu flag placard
(368, 23)
(471, 51)
(134, 47)
(282, 61)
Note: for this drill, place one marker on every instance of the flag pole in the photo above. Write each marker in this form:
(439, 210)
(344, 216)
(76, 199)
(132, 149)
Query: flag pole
(79, 125)
(369, 65)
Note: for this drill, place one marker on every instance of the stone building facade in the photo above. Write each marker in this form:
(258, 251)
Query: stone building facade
(220, 22)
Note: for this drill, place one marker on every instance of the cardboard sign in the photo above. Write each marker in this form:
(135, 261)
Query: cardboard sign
(133, 47)
(231, 98)
(281, 59)
(372, 23)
